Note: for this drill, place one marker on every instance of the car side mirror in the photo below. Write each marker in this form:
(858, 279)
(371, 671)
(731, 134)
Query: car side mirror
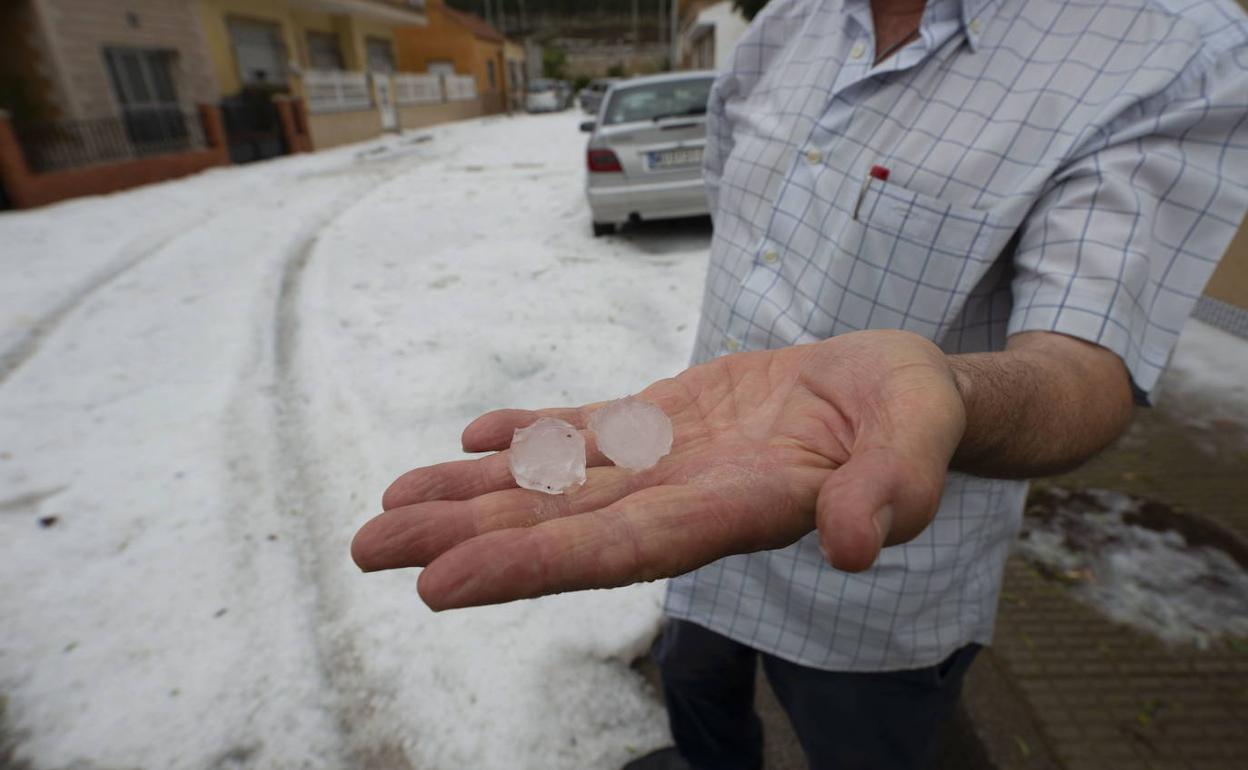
(588, 127)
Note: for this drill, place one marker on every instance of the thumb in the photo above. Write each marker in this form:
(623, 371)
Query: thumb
(880, 497)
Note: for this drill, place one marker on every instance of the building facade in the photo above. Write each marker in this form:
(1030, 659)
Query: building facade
(457, 43)
(94, 59)
(514, 55)
(337, 55)
(709, 33)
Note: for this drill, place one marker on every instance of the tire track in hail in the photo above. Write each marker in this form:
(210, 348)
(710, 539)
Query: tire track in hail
(301, 492)
(28, 345)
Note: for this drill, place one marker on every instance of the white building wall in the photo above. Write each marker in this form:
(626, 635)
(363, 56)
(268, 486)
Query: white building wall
(729, 27)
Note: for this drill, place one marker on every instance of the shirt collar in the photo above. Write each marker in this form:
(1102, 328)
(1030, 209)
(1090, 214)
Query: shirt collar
(973, 14)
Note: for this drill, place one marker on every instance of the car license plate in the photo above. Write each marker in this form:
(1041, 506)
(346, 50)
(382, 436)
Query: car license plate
(689, 156)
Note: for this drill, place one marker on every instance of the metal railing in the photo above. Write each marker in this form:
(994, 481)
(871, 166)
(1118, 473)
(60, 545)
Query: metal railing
(417, 89)
(63, 144)
(460, 88)
(332, 91)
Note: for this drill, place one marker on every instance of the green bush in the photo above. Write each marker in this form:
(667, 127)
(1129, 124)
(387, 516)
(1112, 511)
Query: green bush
(554, 60)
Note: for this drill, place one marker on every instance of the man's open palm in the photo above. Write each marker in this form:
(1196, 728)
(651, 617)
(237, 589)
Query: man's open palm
(852, 435)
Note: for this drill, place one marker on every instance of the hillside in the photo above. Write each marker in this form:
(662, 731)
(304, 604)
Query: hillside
(591, 19)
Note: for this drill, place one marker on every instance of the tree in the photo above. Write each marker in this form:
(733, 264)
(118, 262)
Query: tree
(749, 8)
(553, 62)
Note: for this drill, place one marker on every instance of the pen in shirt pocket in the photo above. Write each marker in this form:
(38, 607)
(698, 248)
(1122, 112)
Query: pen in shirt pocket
(877, 172)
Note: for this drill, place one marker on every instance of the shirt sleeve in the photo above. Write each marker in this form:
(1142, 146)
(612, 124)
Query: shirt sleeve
(718, 142)
(1120, 246)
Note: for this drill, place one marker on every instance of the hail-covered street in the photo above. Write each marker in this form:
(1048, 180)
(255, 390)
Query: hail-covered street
(206, 385)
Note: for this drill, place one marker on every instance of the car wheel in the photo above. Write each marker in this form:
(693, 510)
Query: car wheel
(603, 228)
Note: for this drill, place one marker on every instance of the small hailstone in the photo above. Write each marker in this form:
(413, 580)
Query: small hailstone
(548, 456)
(633, 433)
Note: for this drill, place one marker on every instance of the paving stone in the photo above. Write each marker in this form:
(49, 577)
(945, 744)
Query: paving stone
(1097, 695)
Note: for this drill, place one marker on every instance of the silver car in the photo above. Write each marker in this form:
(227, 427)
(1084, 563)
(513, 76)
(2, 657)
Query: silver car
(543, 96)
(645, 150)
(591, 95)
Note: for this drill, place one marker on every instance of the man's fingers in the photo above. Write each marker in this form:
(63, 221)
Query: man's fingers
(459, 480)
(414, 535)
(492, 431)
(653, 533)
(875, 499)
(466, 479)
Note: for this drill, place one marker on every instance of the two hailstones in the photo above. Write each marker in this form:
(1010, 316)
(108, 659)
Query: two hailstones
(549, 455)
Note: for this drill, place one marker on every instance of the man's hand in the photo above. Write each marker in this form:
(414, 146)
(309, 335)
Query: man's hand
(852, 436)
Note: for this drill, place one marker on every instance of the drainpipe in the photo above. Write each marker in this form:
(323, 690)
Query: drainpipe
(674, 33)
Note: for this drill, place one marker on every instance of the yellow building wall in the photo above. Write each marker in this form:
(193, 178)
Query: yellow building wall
(445, 40)
(215, 14)
(361, 30)
(487, 52)
(338, 128)
(352, 33)
(442, 41)
(1230, 281)
(421, 115)
(415, 47)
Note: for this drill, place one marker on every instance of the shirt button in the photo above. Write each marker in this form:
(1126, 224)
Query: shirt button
(858, 50)
(814, 156)
(732, 345)
(976, 25)
(771, 256)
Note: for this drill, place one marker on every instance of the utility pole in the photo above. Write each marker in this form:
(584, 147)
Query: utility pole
(660, 33)
(636, 34)
(673, 31)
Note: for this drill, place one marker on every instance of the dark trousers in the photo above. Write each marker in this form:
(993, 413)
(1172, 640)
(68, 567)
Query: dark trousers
(845, 721)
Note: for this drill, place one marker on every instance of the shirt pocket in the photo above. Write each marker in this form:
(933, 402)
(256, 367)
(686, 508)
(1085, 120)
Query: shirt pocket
(927, 253)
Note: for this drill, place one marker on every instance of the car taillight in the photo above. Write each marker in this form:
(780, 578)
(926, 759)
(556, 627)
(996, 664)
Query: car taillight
(603, 161)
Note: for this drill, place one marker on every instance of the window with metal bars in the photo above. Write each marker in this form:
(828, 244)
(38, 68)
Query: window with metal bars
(324, 52)
(259, 52)
(143, 82)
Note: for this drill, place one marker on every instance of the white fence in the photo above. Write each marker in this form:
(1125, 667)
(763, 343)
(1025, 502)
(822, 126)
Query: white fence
(460, 88)
(330, 91)
(417, 89)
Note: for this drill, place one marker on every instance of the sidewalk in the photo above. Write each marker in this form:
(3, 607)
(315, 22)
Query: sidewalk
(1102, 695)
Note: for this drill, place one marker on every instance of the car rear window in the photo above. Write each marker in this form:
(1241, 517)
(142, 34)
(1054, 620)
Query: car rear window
(655, 101)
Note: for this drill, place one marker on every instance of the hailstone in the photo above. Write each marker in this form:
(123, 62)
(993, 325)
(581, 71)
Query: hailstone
(632, 433)
(548, 456)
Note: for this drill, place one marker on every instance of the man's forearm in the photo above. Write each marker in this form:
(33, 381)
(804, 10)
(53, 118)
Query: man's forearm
(1044, 405)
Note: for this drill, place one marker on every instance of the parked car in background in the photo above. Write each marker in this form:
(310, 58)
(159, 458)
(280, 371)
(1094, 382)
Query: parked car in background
(565, 94)
(644, 155)
(591, 95)
(543, 95)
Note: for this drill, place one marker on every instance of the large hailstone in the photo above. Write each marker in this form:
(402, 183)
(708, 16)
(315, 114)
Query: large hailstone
(632, 433)
(548, 456)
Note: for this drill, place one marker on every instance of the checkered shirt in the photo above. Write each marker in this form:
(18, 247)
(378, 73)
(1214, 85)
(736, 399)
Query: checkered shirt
(1056, 165)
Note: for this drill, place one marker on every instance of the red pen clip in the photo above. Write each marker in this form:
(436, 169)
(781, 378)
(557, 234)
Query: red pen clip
(877, 172)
